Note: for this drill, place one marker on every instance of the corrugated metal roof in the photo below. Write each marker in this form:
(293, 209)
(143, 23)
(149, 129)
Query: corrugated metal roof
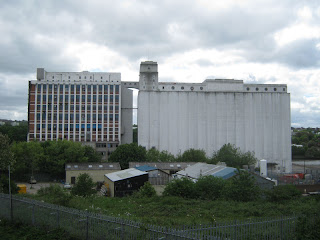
(146, 168)
(163, 165)
(203, 169)
(92, 166)
(124, 174)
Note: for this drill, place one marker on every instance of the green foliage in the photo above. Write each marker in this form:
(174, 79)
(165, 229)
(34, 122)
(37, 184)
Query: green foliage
(15, 133)
(154, 155)
(193, 155)
(283, 193)
(183, 187)
(4, 185)
(233, 156)
(313, 152)
(209, 187)
(308, 227)
(18, 230)
(55, 194)
(241, 187)
(50, 156)
(298, 151)
(6, 155)
(126, 153)
(84, 186)
(146, 191)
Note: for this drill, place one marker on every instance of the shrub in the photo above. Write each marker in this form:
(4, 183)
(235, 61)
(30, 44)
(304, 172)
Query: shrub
(84, 186)
(147, 190)
(282, 193)
(209, 187)
(307, 227)
(4, 185)
(183, 187)
(55, 194)
(241, 188)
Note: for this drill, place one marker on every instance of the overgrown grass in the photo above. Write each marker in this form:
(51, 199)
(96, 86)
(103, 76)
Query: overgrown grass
(14, 231)
(173, 211)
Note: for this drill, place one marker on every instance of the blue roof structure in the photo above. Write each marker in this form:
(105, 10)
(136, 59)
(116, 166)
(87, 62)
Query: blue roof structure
(145, 168)
(225, 173)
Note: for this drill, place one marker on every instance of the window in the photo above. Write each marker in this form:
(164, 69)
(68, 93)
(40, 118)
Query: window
(83, 98)
(89, 98)
(105, 88)
(275, 89)
(117, 99)
(257, 89)
(77, 98)
(111, 117)
(66, 117)
(88, 117)
(38, 98)
(100, 98)
(111, 98)
(94, 98)
(117, 117)
(78, 88)
(100, 88)
(99, 117)
(94, 88)
(105, 97)
(117, 88)
(66, 98)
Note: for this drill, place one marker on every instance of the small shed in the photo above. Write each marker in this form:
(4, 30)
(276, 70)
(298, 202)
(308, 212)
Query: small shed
(156, 176)
(125, 182)
(95, 170)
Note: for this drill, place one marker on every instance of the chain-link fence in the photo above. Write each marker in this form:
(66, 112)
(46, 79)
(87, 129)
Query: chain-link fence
(86, 225)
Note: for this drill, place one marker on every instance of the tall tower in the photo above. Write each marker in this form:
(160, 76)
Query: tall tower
(148, 80)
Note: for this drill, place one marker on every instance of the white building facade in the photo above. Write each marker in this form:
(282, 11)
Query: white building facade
(178, 116)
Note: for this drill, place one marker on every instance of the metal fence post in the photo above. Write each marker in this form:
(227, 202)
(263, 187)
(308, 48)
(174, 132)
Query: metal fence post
(33, 220)
(87, 234)
(58, 218)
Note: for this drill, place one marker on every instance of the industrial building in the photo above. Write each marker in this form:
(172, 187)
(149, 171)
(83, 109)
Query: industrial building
(176, 116)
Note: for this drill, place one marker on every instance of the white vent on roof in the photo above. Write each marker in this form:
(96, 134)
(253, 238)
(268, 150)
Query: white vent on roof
(137, 165)
(76, 166)
(171, 165)
(110, 165)
(68, 166)
(188, 165)
(100, 166)
(90, 166)
(178, 165)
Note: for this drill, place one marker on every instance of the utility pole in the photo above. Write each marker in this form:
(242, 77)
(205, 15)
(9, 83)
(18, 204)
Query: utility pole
(11, 212)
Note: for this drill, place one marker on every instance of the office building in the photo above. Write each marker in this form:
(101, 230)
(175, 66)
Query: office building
(86, 107)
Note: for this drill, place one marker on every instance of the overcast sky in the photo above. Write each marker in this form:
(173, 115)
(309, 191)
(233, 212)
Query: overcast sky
(256, 41)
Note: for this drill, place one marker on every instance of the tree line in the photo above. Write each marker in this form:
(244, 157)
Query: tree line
(47, 157)
(228, 153)
(310, 141)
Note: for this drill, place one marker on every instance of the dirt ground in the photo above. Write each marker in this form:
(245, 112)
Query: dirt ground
(35, 187)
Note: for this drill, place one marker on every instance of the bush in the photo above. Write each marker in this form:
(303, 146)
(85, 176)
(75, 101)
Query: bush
(209, 187)
(56, 194)
(84, 186)
(4, 185)
(241, 188)
(282, 193)
(308, 227)
(183, 187)
(147, 190)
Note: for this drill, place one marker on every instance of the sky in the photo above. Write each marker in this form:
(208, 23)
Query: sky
(257, 41)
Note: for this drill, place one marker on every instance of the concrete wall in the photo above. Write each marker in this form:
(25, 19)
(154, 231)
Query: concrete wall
(126, 115)
(254, 121)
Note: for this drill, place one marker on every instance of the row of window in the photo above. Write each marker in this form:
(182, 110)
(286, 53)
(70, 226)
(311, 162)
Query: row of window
(84, 99)
(85, 77)
(78, 87)
(76, 127)
(77, 117)
(72, 137)
(266, 89)
(77, 107)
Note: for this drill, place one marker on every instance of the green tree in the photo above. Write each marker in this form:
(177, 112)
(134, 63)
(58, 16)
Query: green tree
(6, 155)
(183, 187)
(233, 156)
(210, 187)
(154, 155)
(147, 190)
(15, 133)
(84, 186)
(313, 152)
(283, 193)
(126, 153)
(4, 185)
(241, 188)
(193, 155)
